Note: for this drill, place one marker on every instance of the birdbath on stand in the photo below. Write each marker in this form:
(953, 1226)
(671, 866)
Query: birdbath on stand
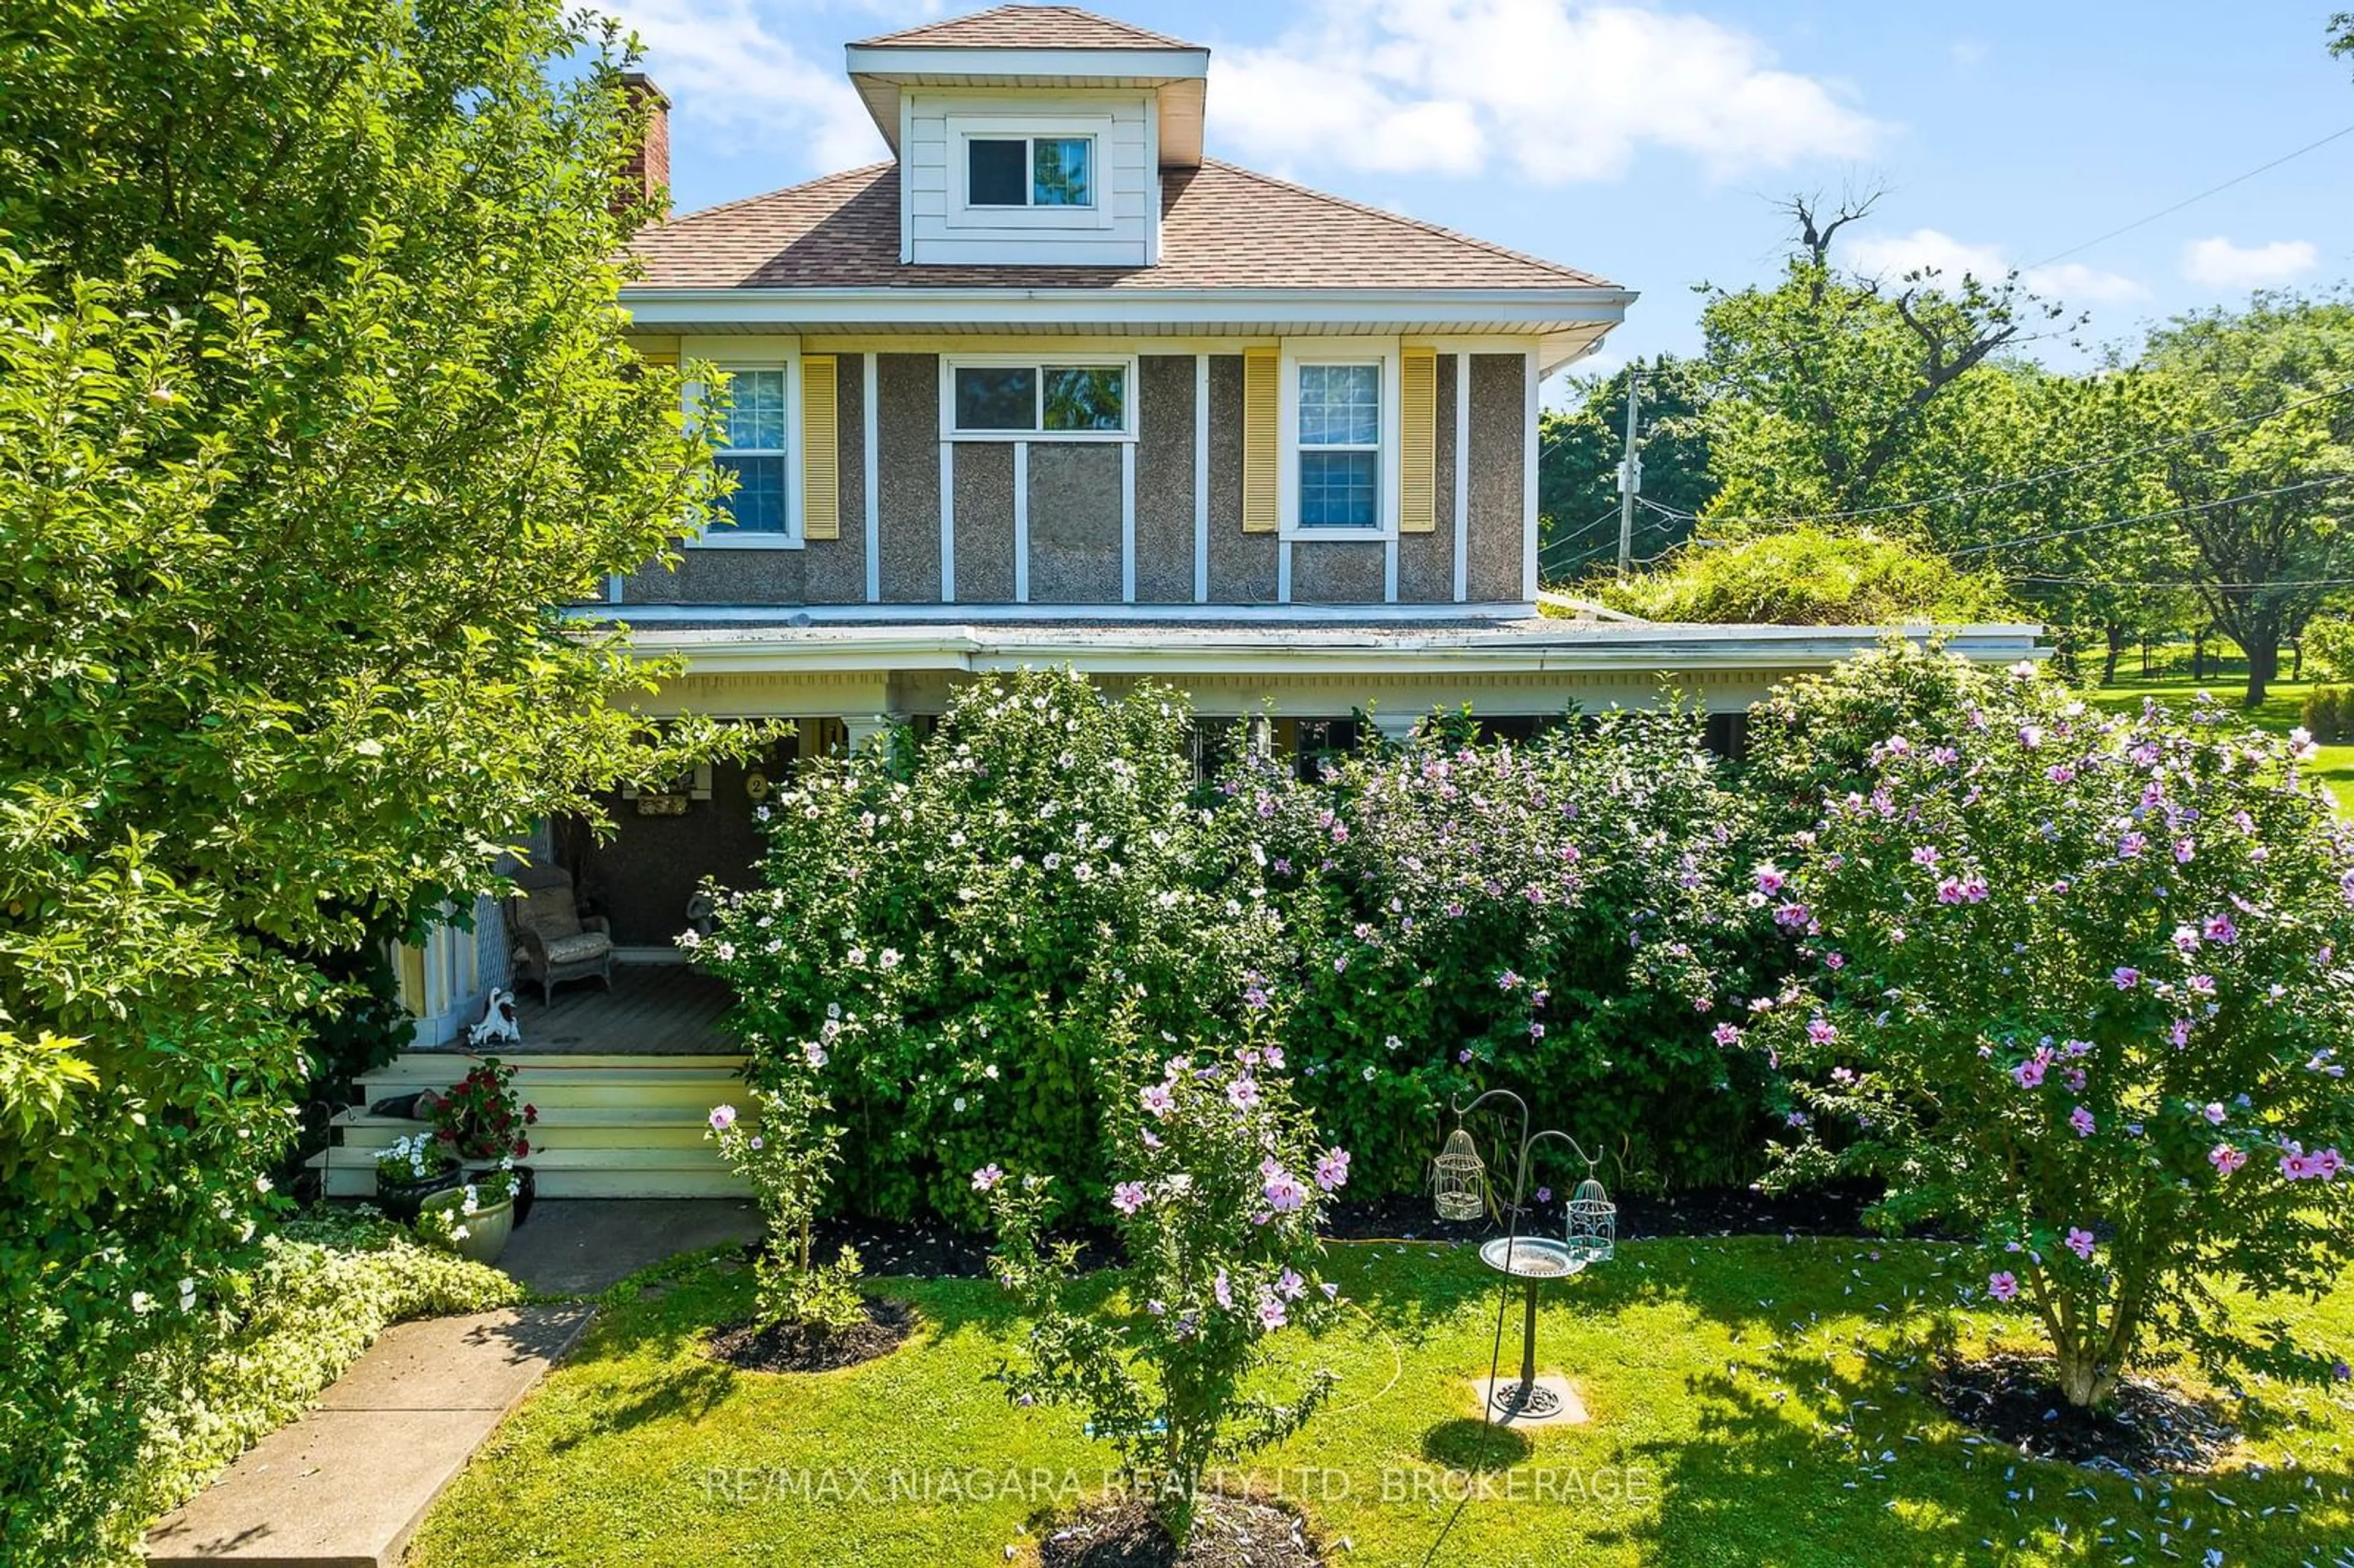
(1528, 1261)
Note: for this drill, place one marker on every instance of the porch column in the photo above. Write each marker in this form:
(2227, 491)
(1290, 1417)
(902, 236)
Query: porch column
(864, 727)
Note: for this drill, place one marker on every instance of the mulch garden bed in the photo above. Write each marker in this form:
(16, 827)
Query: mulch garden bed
(936, 1251)
(2146, 1427)
(1228, 1532)
(809, 1347)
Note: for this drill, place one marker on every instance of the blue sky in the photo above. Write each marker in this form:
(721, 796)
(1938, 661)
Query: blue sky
(1647, 143)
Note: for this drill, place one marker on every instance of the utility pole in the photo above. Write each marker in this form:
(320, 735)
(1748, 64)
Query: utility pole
(1630, 476)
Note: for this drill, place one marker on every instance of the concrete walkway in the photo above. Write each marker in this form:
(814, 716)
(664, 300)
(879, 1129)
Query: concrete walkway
(344, 1486)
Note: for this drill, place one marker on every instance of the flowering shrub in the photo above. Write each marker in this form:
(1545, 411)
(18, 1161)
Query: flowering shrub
(2083, 985)
(1221, 1183)
(786, 1158)
(950, 922)
(482, 1116)
(414, 1156)
(1548, 917)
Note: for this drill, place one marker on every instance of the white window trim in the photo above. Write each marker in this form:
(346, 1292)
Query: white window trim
(951, 364)
(754, 353)
(1295, 353)
(1097, 128)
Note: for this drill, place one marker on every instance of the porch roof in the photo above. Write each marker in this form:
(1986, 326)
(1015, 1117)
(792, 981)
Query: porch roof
(1343, 641)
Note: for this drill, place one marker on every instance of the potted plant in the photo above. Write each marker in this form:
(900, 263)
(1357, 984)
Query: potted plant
(414, 1169)
(473, 1220)
(483, 1118)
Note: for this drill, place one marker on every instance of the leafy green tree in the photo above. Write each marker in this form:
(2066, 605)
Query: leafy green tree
(1578, 453)
(2263, 441)
(1837, 394)
(313, 401)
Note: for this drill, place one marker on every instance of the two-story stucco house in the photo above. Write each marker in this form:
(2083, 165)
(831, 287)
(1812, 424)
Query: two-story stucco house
(1051, 386)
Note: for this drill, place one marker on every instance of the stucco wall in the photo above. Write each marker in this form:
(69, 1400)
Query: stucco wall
(907, 473)
(1332, 571)
(1164, 479)
(1075, 524)
(837, 567)
(1242, 566)
(984, 522)
(716, 575)
(1498, 522)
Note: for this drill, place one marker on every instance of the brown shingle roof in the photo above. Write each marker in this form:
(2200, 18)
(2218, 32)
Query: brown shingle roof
(1026, 28)
(1221, 227)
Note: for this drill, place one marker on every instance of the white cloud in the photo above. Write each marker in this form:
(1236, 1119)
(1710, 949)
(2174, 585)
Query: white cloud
(2071, 283)
(2217, 264)
(723, 68)
(1564, 90)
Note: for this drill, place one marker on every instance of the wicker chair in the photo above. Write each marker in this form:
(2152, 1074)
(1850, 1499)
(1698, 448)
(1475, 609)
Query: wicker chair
(551, 942)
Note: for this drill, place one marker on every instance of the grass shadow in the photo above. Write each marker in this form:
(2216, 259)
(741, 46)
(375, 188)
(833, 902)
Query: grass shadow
(1476, 1447)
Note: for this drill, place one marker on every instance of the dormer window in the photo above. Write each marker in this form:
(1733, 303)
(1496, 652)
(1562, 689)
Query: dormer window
(1034, 175)
(1029, 171)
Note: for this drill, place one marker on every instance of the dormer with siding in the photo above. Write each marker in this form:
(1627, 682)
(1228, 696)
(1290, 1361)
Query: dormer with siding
(1033, 139)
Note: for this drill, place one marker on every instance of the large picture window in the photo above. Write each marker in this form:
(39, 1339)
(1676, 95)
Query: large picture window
(1029, 171)
(752, 447)
(1340, 446)
(1038, 400)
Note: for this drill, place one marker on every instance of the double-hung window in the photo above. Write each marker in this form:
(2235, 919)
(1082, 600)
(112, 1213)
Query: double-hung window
(1029, 171)
(1340, 446)
(1038, 400)
(752, 447)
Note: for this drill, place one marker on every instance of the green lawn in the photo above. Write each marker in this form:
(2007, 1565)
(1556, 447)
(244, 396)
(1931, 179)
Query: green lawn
(2280, 714)
(1754, 1402)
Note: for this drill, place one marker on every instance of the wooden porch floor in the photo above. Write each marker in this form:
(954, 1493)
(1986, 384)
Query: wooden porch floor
(654, 1009)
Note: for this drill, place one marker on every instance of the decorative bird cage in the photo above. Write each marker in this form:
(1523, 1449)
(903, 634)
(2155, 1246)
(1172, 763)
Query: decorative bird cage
(1459, 1179)
(1593, 1223)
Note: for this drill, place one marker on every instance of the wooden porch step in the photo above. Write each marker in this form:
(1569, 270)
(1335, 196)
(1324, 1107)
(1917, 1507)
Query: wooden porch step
(577, 1173)
(566, 1126)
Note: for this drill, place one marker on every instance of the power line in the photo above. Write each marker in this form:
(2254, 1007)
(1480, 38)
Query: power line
(2153, 516)
(2190, 201)
(2186, 585)
(1973, 492)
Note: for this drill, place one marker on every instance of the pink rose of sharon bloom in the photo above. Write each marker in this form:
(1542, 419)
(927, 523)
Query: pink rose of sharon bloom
(1270, 1310)
(2226, 1158)
(1244, 1093)
(1223, 1290)
(1333, 1169)
(2002, 1285)
(986, 1177)
(1157, 1099)
(1821, 1031)
(2080, 1242)
(2082, 1120)
(1127, 1197)
(1284, 1192)
(721, 1118)
(1290, 1286)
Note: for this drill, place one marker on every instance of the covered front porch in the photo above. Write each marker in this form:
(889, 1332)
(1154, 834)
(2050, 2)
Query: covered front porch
(652, 1009)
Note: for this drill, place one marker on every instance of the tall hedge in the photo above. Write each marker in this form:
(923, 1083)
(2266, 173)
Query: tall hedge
(947, 922)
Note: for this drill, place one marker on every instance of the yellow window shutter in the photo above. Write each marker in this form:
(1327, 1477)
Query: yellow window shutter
(820, 449)
(1418, 440)
(1259, 443)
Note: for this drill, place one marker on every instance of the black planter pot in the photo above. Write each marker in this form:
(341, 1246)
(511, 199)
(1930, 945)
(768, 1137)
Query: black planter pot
(402, 1200)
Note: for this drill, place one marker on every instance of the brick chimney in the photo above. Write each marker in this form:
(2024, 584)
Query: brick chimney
(645, 175)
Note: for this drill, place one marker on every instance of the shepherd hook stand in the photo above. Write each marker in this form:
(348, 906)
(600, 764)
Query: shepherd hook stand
(1590, 1238)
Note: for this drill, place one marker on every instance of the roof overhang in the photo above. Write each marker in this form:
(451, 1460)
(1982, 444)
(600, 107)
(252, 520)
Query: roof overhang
(866, 637)
(1178, 79)
(1568, 321)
